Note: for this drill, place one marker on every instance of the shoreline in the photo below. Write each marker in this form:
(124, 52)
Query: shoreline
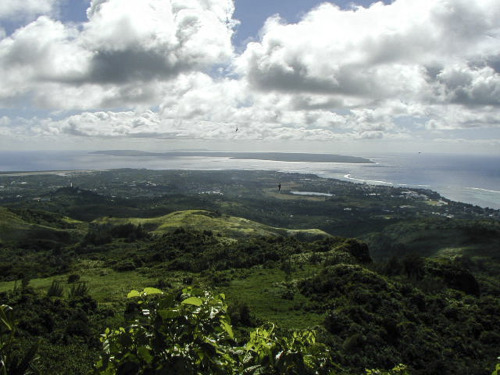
(465, 179)
(449, 195)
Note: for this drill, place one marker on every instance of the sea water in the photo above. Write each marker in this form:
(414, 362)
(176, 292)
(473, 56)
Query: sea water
(471, 179)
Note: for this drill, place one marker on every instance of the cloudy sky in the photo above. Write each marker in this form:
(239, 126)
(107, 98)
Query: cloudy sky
(294, 75)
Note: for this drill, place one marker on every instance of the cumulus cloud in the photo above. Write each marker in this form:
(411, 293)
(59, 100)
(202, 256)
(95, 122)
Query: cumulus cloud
(26, 9)
(455, 116)
(366, 55)
(470, 86)
(124, 42)
(155, 39)
(167, 69)
(232, 104)
(43, 51)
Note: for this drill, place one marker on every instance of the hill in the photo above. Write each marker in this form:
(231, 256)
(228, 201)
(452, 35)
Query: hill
(417, 285)
(219, 224)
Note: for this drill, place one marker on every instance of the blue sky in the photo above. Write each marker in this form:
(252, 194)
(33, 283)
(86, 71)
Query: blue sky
(350, 77)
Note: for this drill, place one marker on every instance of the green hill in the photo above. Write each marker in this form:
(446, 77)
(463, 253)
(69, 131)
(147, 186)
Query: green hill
(219, 224)
(476, 240)
(22, 227)
(12, 227)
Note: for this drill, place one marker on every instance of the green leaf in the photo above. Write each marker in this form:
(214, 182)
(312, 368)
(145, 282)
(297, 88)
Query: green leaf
(28, 358)
(149, 291)
(193, 301)
(4, 318)
(145, 354)
(169, 314)
(166, 301)
(133, 293)
(227, 327)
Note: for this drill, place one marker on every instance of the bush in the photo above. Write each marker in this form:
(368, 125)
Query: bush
(240, 314)
(55, 289)
(11, 360)
(79, 290)
(73, 278)
(191, 333)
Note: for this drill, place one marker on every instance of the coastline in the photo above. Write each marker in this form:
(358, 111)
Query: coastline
(467, 179)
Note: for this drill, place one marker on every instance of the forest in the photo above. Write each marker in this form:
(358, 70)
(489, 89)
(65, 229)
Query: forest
(191, 272)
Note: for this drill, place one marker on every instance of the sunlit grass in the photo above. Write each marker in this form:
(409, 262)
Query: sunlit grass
(106, 285)
(262, 289)
(229, 226)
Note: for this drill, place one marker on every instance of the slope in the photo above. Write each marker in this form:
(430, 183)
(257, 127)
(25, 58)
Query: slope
(219, 224)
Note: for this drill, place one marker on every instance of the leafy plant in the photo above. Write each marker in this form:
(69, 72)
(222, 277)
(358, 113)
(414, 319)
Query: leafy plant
(178, 334)
(191, 333)
(12, 362)
(55, 289)
(77, 290)
(497, 369)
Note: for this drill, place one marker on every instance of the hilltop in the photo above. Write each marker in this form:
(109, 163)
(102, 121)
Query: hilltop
(217, 223)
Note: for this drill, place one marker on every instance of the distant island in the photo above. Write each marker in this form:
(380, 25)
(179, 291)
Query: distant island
(275, 156)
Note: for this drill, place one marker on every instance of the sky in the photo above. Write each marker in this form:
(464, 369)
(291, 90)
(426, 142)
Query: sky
(251, 75)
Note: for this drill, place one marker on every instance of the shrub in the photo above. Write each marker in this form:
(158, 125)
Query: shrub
(79, 290)
(55, 289)
(497, 368)
(190, 333)
(73, 278)
(240, 314)
(11, 360)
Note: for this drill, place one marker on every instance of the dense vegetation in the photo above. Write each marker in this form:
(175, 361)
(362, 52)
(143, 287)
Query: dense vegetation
(422, 290)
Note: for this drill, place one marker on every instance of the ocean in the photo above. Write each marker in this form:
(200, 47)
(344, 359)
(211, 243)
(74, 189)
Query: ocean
(473, 179)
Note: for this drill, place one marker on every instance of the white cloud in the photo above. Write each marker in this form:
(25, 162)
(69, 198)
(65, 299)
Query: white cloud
(43, 51)
(450, 117)
(155, 39)
(26, 9)
(167, 69)
(469, 86)
(362, 56)
(124, 43)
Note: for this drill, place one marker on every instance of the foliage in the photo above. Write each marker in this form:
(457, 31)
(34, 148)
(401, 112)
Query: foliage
(191, 333)
(374, 321)
(396, 370)
(55, 289)
(103, 234)
(73, 278)
(497, 369)
(65, 332)
(80, 289)
(435, 315)
(12, 361)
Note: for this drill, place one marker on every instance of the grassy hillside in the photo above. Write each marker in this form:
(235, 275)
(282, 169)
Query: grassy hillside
(12, 227)
(203, 220)
(29, 227)
(476, 242)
